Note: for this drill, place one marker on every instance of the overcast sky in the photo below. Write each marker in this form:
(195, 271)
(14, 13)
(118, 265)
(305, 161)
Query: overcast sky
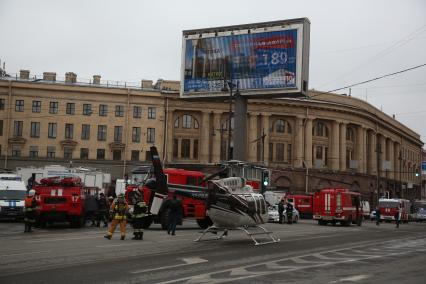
(351, 41)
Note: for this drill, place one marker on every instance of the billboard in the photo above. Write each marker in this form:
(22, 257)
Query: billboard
(260, 59)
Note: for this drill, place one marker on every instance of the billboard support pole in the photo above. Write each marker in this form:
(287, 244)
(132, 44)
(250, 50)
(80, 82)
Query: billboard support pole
(240, 129)
(229, 121)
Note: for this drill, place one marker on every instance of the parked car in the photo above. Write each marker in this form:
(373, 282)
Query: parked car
(273, 215)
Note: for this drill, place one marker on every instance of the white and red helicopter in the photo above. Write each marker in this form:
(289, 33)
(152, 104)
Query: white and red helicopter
(231, 204)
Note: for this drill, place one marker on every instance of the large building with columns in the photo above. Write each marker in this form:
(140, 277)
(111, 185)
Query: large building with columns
(321, 141)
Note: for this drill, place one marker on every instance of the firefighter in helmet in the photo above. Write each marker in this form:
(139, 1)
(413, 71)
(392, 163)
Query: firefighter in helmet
(30, 207)
(118, 211)
(138, 216)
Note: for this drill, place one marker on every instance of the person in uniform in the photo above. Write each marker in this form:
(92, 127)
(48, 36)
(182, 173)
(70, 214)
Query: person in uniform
(30, 207)
(139, 212)
(175, 214)
(102, 210)
(118, 212)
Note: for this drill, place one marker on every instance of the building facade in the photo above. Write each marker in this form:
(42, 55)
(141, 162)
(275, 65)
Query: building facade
(324, 140)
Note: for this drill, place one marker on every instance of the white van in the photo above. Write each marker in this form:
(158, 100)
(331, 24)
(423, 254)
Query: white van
(12, 196)
(365, 209)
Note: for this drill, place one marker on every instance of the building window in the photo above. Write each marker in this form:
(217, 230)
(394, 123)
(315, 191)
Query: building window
(2, 104)
(19, 105)
(195, 149)
(271, 152)
(137, 112)
(196, 125)
(35, 129)
(118, 133)
(103, 110)
(53, 107)
(100, 154)
(1, 127)
(185, 148)
(187, 121)
(51, 131)
(102, 132)
(279, 152)
(119, 111)
(51, 150)
(175, 148)
(84, 153)
(68, 152)
(116, 155)
(150, 135)
(69, 131)
(350, 134)
(85, 132)
(136, 134)
(87, 109)
(288, 153)
(318, 153)
(135, 155)
(70, 108)
(148, 156)
(151, 112)
(320, 130)
(17, 128)
(36, 106)
(177, 123)
(280, 126)
(16, 151)
(33, 151)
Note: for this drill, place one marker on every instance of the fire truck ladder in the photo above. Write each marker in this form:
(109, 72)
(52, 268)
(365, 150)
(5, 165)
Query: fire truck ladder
(252, 232)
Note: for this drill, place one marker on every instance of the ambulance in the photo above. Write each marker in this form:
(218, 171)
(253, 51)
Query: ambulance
(12, 196)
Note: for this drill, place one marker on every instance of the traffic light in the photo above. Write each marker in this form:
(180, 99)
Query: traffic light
(265, 180)
(417, 174)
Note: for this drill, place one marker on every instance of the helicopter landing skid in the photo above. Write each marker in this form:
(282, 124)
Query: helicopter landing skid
(251, 231)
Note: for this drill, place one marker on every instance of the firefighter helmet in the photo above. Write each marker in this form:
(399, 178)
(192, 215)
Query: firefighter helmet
(31, 192)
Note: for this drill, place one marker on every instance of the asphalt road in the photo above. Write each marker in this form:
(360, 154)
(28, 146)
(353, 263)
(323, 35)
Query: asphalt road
(307, 253)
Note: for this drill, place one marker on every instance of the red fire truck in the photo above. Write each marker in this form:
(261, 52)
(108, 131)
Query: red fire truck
(341, 205)
(176, 178)
(303, 204)
(62, 199)
(389, 207)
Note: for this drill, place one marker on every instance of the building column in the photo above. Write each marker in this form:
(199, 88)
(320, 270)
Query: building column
(397, 161)
(252, 138)
(205, 138)
(360, 148)
(266, 130)
(382, 155)
(298, 143)
(389, 157)
(170, 138)
(372, 159)
(334, 157)
(342, 149)
(308, 142)
(365, 156)
(216, 137)
(179, 156)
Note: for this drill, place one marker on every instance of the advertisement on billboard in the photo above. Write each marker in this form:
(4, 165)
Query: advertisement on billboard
(255, 59)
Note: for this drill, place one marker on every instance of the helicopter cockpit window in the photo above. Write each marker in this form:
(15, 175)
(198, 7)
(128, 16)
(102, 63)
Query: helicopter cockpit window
(262, 206)
(251, 204)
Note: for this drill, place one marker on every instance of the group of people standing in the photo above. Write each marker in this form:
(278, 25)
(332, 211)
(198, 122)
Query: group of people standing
(286, 206)
(397, 216)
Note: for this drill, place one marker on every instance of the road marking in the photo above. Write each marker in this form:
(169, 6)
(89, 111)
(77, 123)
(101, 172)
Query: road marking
(188, 261)
(25, 253)
(113, 245)
(209, 277)
(63, 239)
(354, 278)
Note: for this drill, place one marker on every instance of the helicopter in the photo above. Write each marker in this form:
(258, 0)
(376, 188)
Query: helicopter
(231, 203)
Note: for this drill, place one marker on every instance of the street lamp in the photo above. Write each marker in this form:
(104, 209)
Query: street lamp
(228, 85)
